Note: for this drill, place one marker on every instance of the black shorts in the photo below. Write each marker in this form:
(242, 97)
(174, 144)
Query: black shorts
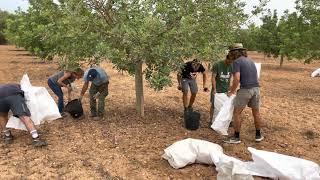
(15, 103)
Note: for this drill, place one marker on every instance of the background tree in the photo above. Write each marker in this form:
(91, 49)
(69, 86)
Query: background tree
(159, 34)
(4, 15)
(28, 30)
(308, 27)
(249, 37)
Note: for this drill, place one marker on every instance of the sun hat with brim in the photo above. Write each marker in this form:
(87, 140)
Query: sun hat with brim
(236, 46)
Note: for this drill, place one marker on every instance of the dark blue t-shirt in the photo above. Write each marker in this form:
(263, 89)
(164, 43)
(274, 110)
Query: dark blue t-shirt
(248, 72)
(9, 90)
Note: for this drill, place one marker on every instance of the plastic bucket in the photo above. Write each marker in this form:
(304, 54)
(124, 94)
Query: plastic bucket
(74, 108)
(191, 120)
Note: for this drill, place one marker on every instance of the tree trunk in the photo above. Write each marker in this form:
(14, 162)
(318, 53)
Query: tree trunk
(281, 61)
(139, 89)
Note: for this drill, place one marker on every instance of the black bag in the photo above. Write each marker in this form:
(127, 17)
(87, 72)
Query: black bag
(191, 120)
(74, 108)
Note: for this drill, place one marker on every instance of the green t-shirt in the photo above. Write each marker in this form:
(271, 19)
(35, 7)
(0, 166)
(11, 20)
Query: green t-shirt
(223, 76)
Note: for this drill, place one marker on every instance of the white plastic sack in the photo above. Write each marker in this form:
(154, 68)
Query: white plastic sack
(315, 73)
(283, 167)
(191, 151)
(258, 66)
(219, 99)
(41, 105)
(223, 110)
(230, 168)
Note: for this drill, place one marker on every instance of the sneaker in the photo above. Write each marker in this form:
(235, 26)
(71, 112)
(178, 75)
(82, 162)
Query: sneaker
(233, 140)
(37, 142)
(63, 114)
(259, 138)
(8, 139)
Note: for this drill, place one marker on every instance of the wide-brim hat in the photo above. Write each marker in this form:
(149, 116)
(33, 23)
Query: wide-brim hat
(236, 46)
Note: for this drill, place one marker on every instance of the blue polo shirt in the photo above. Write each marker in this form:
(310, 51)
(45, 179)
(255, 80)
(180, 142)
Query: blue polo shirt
(101, 78)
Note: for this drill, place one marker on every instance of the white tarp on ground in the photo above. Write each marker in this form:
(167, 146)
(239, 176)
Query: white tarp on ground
(223, 112)
(264, 164)
(41, 105)
(315, 73)
(283, 167)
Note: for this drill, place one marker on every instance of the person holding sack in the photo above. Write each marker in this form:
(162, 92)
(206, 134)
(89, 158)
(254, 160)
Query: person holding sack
(245, 74)
(221, 76)
(12, 99)
(63, 79)
(98, 90)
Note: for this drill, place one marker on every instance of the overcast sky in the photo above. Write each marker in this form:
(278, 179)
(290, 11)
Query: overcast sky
(279, 5)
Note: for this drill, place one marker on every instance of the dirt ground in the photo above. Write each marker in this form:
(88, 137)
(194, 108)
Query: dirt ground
(124, 146)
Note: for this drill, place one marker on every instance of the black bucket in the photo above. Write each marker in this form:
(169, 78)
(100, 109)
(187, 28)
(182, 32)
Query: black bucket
(191, 120)
(74, 108)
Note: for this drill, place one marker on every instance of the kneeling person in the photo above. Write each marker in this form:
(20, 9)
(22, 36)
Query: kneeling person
(12, 98)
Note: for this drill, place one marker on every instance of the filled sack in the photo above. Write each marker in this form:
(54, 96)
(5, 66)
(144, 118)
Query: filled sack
(41, 105)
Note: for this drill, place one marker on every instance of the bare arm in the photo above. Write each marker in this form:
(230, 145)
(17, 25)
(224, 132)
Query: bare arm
(65, 76)
(84, 88)
(235, 82)
(69, 94)
(179, 81)
(179, 78)
(213, 81)
(204, 74)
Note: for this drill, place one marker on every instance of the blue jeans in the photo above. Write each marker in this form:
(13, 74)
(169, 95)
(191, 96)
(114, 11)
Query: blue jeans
(58, 91)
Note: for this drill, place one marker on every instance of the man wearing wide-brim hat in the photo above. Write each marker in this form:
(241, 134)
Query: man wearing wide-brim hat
(244, 73)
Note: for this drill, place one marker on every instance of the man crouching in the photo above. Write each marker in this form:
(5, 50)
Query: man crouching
(12, 98)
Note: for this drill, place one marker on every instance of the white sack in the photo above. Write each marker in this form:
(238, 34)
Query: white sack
(230, 168)
(223, 110)
(190, 151)
(315, 73)
(219, 99)
(258, 66)
(283, 167)
(41, 105)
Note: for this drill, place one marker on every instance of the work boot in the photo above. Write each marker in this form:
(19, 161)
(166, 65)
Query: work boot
(97, 118)
(63, 115)
(37, 142)
(8, 139)
(92, 115)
